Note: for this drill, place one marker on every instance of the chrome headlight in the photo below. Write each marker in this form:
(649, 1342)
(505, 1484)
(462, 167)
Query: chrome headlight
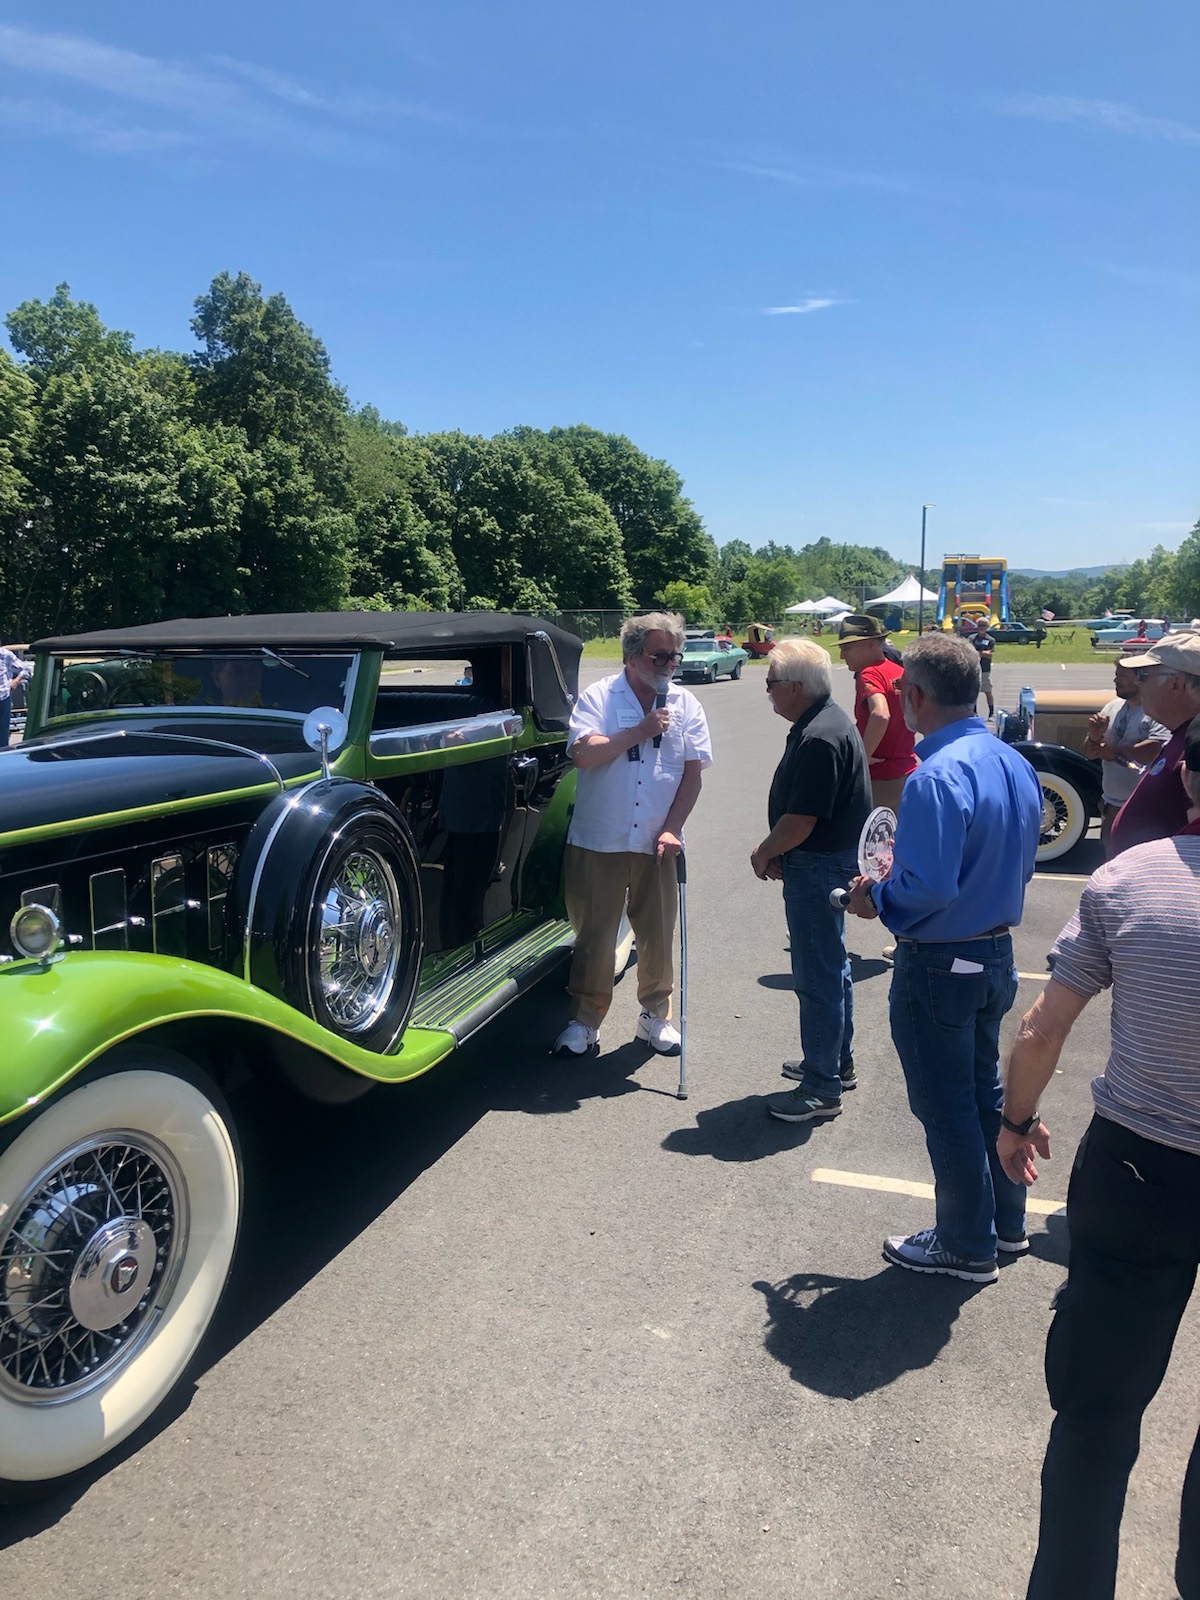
(35, 931)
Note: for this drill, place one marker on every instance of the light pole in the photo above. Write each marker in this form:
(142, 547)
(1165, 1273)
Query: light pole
(921, 596)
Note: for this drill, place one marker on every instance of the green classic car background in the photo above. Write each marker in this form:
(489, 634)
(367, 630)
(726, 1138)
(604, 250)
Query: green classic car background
(704, 660)
(302, 847)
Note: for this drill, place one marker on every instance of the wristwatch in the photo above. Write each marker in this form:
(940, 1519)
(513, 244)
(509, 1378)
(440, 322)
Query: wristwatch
(1022, 1129)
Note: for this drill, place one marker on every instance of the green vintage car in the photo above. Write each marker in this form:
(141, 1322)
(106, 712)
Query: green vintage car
(705, 659)
(322, 848)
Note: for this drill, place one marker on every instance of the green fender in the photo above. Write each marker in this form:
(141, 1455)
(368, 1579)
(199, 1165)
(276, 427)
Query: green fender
(59, 1018)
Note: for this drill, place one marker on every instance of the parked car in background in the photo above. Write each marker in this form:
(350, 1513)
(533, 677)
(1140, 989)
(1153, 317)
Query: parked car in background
(299, 848)
(705, 659)
(1128, 633)
(1019, 633)
(1049, 729)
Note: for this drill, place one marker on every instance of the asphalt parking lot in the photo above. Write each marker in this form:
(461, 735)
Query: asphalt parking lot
(527, 1328)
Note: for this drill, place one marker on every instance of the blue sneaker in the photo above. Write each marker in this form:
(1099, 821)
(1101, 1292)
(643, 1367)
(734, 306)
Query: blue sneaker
(920, 1252)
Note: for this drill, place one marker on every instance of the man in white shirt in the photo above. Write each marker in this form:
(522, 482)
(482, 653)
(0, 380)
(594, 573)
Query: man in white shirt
(639, 742)
(13, 671)
(1124, 737)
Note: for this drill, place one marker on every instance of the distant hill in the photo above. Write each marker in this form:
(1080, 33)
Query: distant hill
(1067, 572)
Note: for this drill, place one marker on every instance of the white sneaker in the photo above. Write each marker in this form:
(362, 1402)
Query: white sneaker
(576, 1039)
(660, 1034)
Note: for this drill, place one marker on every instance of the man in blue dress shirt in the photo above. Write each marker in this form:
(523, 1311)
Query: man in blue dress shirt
(966, 840)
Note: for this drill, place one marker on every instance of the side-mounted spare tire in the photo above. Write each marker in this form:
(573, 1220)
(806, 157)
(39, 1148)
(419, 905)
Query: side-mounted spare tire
(328, 910)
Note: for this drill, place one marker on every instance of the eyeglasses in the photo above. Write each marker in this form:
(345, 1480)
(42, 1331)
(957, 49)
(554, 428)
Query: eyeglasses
(773, 683)
(1142, 673)
(664, 658)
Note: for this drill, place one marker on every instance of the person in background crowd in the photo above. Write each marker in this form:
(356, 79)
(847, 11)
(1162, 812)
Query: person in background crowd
(1133, 1203)
(877, 711)
(1141, 633)
(1169, 673)
(965, 849)
(818, 803)
(1121, 734)
(12, 672)
(986, 645)
(639, 777)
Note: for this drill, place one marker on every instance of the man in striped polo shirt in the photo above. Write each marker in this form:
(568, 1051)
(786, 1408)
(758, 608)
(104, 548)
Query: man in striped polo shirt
(1133, 1204)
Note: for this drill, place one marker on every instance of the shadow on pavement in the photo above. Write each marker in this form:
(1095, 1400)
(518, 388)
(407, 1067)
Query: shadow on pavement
(740, 1130)
(847, 1337)
(862, 969)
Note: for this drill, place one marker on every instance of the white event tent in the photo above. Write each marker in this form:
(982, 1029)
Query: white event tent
(825, 608)
(909, 593)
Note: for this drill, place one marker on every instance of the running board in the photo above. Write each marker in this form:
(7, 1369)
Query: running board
(463, 1002)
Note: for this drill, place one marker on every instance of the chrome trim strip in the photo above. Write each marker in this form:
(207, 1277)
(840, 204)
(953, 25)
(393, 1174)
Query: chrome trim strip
(260, 866)
(540, 633)
(170, 738)
(449, 735)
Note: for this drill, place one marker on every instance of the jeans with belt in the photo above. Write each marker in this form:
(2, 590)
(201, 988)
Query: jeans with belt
(946, 1028)
(820, 965)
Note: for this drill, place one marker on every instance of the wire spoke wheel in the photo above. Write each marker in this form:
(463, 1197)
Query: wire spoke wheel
(93, 1249)
(1064, 817)
(360, 939)
(119, 1208)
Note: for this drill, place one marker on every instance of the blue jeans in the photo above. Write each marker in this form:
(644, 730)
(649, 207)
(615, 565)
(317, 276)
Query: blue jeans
(946, 1028)
(5, 720)
(820, 965)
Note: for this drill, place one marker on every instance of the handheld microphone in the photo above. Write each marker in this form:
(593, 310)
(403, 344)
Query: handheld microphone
(660, 700)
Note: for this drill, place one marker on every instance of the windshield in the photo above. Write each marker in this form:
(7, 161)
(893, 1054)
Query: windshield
(249, 680)
(699, 647)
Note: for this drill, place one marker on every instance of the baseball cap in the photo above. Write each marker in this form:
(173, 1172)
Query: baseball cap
(1179, 651)
(855, 626)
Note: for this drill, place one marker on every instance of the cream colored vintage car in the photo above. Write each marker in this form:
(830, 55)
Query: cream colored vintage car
(1049, 730)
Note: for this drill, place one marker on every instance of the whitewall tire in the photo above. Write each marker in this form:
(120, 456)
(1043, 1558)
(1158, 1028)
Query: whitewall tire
(1064, 817)
(119, 1211)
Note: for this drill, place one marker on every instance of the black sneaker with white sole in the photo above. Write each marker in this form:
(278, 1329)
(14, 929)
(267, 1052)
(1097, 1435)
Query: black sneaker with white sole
(1016, 1246)
(846, 1072)
(921, 1252)
(801, 1105)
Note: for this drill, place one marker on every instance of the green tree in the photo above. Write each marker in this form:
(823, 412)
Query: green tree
(693, 601)
(17, 395)
(402, 557)
(263, 372)
(663, 537)
(61, 335)
(527, 533)
(1186, 577)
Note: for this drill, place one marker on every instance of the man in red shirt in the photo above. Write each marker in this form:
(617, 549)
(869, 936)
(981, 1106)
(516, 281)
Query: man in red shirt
(877, 711)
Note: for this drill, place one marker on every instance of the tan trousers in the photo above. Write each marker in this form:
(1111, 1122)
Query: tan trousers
(887, 792)
(596, 885)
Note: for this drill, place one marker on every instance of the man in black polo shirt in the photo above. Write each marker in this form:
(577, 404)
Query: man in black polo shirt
(820, 798)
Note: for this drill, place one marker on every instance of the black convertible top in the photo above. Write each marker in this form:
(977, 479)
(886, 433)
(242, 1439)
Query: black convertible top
(315, 630)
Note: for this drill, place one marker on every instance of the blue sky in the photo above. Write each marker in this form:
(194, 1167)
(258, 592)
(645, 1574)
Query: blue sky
(830, 266)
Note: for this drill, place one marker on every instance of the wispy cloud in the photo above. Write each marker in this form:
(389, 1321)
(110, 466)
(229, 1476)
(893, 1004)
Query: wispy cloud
(1111, 115)
(1167, 278)
(45, 118)
(230, 99)
(817, 177)
(813, 303)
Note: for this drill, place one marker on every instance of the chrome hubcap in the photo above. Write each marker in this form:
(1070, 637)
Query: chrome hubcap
(359, 940)
(87, 1265)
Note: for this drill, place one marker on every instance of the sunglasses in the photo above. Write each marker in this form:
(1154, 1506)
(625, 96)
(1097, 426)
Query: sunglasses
(664, 658)
(773, 683)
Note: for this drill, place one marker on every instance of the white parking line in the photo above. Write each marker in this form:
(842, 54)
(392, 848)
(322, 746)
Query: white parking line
(1060, 877)
(920, 1191)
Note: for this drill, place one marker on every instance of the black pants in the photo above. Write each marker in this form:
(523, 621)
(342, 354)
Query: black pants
(1133, 1212)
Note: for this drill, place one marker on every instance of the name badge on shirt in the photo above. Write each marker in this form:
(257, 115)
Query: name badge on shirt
(627, 718)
